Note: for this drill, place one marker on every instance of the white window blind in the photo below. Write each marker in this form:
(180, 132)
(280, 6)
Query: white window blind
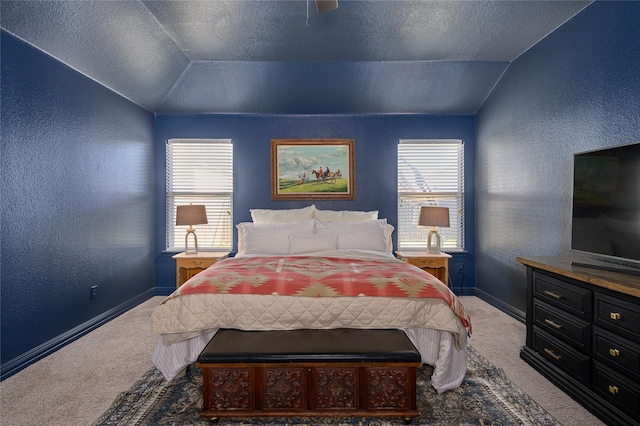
(430, 173)
(200, 172)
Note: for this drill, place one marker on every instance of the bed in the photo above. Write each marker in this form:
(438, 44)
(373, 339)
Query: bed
(308, 268)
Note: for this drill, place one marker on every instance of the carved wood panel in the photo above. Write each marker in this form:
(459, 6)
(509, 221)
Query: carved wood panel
(336, 388)
(284, 388)
(387, 387)
(231, 389)
(298, 389)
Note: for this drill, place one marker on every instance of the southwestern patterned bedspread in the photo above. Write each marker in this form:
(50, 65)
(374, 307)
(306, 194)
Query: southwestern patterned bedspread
(397, 295)
(344, 289)
(309, 276)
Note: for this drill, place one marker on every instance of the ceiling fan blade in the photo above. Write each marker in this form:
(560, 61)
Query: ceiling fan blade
(326, 5)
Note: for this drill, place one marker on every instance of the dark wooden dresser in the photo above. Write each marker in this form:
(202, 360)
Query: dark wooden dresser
(583, 334)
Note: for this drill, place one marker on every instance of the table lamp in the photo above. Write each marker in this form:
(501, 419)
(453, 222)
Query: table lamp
(434, 217)
(191, 215)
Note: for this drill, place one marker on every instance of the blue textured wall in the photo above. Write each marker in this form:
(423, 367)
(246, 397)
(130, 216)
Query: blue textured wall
(77, 203)
(376, 140)
(576, 90)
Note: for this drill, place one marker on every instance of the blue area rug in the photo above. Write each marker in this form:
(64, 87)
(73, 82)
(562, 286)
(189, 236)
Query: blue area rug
(486, 397)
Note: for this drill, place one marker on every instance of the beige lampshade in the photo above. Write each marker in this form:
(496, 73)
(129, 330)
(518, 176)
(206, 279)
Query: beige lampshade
(434, 216)
(191, 215)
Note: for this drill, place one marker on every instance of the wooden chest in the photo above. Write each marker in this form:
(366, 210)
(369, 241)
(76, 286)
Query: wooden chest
(307, 373)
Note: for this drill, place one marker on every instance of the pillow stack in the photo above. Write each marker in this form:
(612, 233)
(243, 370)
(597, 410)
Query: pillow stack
(307, 230)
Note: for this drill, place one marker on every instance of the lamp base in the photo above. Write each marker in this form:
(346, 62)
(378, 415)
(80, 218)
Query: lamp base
(186, 241)
(433, 248)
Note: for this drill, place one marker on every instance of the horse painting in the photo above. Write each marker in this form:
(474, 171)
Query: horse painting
(321, 177)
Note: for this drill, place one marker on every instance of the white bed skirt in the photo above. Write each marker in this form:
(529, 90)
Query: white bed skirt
(437, 348)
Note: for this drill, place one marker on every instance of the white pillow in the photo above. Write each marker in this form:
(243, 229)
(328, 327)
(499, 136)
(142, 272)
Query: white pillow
(282, 216)
(270, 238)
(325, 216)
(388, 231)
(240, 228)
(345, 226)
(308, 243)
(369, 235)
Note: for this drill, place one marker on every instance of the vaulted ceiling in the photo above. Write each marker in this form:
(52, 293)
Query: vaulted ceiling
(283, 57)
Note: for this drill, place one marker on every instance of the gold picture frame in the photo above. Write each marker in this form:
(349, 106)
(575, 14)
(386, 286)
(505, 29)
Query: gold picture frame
(299, 169)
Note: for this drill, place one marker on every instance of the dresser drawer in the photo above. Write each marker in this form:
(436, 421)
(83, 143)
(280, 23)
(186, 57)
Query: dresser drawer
(616, 389)
(566, 296)
(617, 315)
(617, 352)
(570, 329)
(574, 363)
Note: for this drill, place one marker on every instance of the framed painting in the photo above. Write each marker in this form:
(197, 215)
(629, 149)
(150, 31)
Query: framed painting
(310, 169)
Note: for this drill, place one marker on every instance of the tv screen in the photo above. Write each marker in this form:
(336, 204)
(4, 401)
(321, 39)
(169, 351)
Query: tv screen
(606, 202)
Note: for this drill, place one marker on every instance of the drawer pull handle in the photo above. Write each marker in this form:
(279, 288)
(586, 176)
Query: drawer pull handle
(615, 316)
(613, 389)
(553, 324)
(553, 294)
(552, 355)
(614, 352)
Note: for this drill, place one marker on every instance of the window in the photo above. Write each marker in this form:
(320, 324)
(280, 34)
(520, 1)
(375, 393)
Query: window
(200, 171)
(430, 173)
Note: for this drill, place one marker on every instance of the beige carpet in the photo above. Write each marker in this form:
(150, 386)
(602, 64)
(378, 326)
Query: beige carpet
(76, 384)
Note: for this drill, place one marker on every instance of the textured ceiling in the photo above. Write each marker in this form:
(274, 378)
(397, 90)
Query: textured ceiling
(265, 56)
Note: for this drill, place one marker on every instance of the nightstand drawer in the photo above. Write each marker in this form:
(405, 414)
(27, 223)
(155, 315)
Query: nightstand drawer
(616, 389)
(571, 361)
(571, 298)
(570, 329)
(617, 352)
(617, 315)
(201, 263)
(428, 263)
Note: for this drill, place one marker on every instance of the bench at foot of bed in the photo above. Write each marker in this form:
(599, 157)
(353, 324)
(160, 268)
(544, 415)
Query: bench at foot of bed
(308, 373)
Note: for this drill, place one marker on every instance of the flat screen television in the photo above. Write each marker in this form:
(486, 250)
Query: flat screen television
(606, 203)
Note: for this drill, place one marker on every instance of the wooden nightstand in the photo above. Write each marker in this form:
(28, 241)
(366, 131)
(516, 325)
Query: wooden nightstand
(435, 264)
(187, 265)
